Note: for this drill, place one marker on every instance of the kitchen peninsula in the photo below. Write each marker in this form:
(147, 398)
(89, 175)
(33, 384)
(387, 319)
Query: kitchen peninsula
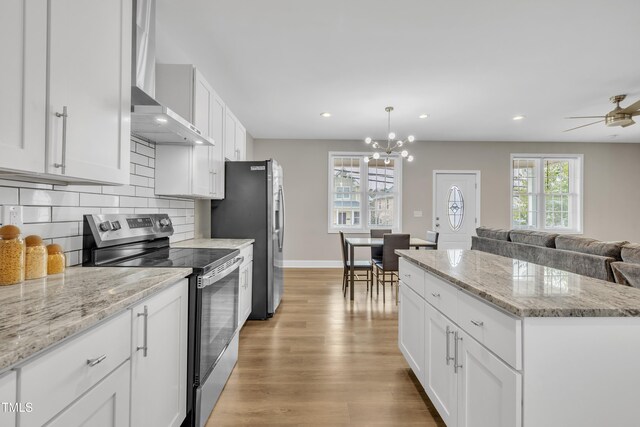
(505, 342)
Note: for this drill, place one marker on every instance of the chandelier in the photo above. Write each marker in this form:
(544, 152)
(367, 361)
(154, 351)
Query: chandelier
(393, 146)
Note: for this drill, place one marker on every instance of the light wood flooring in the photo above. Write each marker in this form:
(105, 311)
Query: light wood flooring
(323, 361)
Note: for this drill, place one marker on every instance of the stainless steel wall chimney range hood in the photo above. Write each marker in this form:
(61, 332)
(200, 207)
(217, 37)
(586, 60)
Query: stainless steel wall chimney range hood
(150, 120)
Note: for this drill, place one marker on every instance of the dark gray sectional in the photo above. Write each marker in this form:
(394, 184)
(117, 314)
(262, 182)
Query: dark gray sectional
(612, 261)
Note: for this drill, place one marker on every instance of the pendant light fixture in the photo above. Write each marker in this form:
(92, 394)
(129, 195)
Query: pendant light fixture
(393, 145)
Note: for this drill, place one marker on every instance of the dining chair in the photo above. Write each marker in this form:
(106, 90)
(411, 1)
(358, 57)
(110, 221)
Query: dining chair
(432, 237)
(358, 266)
(377, 233)
(389, 263)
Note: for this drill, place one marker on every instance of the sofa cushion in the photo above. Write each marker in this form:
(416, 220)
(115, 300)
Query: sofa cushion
(493, 233)
(631, 253)
(535, 238)
(590, 246)
(626, 273)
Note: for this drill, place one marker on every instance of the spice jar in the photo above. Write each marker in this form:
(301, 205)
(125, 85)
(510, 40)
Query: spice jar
(36, 264)
(12, 255)
(55, 260)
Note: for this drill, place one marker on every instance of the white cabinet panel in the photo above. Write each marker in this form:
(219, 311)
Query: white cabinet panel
(23, 49)
(411, 329)
(412, 275)
(216, 153)
(8, 388)
(106, 405)
(490, 392)
(241, 141)
(245, 294)
(230, 125)
(159, 360)
(89, 75)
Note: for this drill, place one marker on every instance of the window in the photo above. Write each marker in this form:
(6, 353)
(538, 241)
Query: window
(363, 195)
(546, 192)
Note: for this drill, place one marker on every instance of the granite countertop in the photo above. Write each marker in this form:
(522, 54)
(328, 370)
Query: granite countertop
(526, 289)
(39, 313)
(214, 243)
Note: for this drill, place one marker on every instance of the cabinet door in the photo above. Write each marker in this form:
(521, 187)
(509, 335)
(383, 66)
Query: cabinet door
(202, 99)
(105, 405)
(440, 378)
(216, 153)
(23, 49)
(245, 297)
(241, 142)
(230, 126)
(202, 182)
(8, 389)
(159, 360)
(490, 392)
(411, 329)
(90, 75)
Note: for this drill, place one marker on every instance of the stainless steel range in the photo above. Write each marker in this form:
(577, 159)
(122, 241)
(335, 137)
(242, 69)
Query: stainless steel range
(143, 241)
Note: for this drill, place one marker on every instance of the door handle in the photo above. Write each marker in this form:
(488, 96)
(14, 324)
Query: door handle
(94, 362)
(63, 165)
(456, 365)
(478, 323)
(145, 333)
(448, 355)
(437, 225)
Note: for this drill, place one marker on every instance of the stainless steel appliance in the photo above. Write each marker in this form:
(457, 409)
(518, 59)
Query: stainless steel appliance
(143, 241)
(254, 208)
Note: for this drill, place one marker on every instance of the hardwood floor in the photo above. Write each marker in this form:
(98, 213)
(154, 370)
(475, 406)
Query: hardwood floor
(323, 361)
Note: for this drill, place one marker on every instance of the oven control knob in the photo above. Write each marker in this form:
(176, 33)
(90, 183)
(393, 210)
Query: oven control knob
(105, 226)
(165, 222)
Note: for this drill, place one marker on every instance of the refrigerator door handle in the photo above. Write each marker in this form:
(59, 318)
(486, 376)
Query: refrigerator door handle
(281, 219)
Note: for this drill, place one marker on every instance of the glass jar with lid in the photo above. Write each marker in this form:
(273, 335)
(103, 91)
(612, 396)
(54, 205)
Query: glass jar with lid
(56, 260)
(12, 255)
(36, 262)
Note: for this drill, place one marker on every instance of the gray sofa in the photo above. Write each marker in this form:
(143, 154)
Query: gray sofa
(612, 261)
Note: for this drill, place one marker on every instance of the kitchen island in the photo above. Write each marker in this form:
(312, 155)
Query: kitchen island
(497, 341)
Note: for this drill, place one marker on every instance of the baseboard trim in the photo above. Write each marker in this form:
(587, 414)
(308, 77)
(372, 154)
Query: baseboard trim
(304, 263)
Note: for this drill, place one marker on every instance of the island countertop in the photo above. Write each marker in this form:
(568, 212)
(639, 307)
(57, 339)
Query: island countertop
(39, 313)
(214, 243)
(525, 289)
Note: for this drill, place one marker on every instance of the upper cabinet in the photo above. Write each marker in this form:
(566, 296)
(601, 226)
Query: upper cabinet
(235, 141)
(71, 125)
(196, 171)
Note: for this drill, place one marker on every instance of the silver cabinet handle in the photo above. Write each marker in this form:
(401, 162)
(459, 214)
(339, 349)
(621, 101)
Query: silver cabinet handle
(94, 362)
(64, 116)
(449, 358)
(477, 322)
(145, 333)
(456, 366)
(435, 295)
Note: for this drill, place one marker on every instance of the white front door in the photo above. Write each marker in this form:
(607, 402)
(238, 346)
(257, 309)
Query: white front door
(455, 213)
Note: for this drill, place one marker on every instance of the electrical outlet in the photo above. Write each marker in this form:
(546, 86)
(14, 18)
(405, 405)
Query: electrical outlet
(417, 214)
(12, 215)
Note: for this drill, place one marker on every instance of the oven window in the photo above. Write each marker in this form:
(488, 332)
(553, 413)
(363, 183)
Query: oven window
(218, 321)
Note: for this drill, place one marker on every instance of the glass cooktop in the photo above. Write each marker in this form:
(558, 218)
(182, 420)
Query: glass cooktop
(200, 260)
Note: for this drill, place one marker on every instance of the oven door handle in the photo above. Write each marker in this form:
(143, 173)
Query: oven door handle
(211, 279)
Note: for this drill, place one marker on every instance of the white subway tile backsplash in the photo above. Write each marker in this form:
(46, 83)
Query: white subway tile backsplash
(99, 200)
(139, 159)
(178, 204)
(79, 188)
(141, 181)
(20, 184)
(132, 202)
(49, 230)
(36, 214)
(8, 196)
(70, 243)
(145, 151)
(145, 171)
(159, 203)
(29, 197)
(117, 210)
(72, 214)
(145, 192)
(120, 190)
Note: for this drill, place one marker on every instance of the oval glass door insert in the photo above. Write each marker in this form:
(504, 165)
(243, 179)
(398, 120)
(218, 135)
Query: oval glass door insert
(455, 202)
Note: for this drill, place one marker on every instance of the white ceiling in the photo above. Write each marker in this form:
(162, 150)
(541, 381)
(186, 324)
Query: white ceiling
(471, 65)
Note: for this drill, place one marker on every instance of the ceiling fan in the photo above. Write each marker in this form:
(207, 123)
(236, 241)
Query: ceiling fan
(617, 117)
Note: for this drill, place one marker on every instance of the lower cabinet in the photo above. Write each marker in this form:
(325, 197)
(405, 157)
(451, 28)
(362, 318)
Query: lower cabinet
(8, 388)
(411, 330)
(105, 405)
(159, 359)
(245, 293)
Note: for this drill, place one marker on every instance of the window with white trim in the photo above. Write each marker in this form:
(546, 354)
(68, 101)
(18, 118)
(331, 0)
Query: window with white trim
(546, 192)
(363, 195)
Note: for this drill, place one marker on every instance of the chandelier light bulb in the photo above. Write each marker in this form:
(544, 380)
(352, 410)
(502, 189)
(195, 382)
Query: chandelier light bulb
(376, 155)
(411, 138)
(400, 142)
(375, 145)
(410, 158)
(392, 135)
(366, 159)
(392, 147)
(367, 140)
(387, 161)
(404, 153)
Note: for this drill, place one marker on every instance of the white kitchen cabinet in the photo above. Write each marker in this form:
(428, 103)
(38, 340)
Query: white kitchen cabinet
(89, 90)
(159, 359)
(489, 391)
(197, 171)
(66, 56)
(105, 405)
(23, 80)
(8, 389)
(235, 141)
(245, 293)
(411, 330)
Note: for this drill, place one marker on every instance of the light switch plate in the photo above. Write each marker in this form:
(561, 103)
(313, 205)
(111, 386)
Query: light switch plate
(417, 214)
(12, 215)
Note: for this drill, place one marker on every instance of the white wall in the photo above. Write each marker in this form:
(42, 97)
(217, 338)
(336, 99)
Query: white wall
(54, 212)
(611, 190)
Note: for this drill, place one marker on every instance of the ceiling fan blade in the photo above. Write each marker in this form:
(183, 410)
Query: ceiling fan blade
(631, 108)
(586, 117)
(589, 124)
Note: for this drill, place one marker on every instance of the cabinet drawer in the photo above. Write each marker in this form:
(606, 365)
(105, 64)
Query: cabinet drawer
(412, 276)
(499, 332)
(247, 253)
(57, 378)
(441, 295)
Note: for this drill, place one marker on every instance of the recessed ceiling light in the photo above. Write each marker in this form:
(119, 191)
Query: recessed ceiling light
(161, 120)
(325, 114)
(518, 117)
(423, 116)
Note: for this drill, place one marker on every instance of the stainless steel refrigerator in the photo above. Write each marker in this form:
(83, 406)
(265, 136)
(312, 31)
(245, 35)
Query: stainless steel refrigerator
(254, 208)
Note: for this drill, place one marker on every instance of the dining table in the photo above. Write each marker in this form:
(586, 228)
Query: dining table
(375, 242)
